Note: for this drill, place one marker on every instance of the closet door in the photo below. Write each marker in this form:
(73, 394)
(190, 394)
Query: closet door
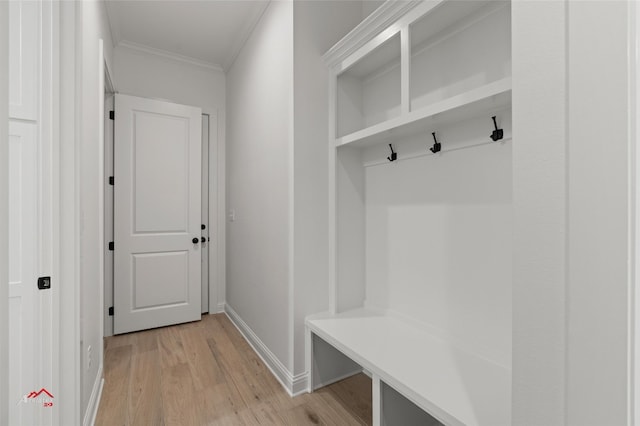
(30, 392)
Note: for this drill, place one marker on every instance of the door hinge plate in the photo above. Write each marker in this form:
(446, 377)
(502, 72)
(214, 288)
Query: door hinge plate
(110, 311)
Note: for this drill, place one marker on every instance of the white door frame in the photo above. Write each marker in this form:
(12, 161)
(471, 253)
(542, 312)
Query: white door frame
(634, 215)
(216, 215)
(92, 410)
(206, 168)
(634, 119)
(4, 212)
(108, 105)
(66, 339)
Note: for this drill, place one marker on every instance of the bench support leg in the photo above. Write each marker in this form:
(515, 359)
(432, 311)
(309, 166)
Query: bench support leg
(308, 343)
(376, 400)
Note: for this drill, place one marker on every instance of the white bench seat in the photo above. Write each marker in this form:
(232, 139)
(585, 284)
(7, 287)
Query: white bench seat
(451, 384)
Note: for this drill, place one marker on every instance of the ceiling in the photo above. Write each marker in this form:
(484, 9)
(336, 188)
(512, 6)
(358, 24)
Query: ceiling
(210, 32)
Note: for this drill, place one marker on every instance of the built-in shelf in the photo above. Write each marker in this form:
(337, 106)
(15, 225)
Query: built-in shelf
(427, 240)
(460, 46)
(481, 100)
(368, 91)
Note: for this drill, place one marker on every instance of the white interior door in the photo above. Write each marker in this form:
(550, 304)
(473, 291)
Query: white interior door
(31, 183)
(157, 253)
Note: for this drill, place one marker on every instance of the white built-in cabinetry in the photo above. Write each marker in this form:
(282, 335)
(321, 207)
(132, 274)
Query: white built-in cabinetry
(420, 261)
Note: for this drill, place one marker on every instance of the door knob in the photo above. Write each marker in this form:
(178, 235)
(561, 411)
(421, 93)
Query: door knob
(203, 240)
(195, 240)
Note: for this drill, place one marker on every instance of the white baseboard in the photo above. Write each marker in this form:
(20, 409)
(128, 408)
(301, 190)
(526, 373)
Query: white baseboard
(94, 400)
(219, 308)
(294, 385)
(299, 384)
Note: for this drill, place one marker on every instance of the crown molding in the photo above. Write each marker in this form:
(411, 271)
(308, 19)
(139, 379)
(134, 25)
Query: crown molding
(169, 55)
(246, 32)
(389, 12)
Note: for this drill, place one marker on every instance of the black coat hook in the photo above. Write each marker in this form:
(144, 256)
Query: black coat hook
(437, 146)
(497, 134)
(394, 156)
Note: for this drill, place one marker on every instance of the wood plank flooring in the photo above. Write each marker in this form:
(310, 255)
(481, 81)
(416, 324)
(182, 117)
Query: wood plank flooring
(205, 373)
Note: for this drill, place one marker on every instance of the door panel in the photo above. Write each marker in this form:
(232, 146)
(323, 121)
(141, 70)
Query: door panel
(161, 164)
(160, 279)
(23, 316)
(23, 63)
(157, 203)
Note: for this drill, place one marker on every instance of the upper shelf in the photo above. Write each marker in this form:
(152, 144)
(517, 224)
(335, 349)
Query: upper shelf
(472, 103)
(441, 62)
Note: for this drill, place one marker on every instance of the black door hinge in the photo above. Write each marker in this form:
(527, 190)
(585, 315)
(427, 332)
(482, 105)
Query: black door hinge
(112, 115)
(111, 180)
(110, 311)
(111, 245)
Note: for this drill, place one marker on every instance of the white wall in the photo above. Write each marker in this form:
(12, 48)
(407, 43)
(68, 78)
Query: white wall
(259, 162)
(148, 75)
(572, 281)
(4, 215)
(277, 108)
(144, 74)
(94, 26)
(317, 25)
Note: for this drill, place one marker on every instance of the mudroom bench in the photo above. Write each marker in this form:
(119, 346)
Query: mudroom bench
(413, 371)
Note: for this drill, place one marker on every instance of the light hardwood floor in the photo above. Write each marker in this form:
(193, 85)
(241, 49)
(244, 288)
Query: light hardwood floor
(205, 373)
